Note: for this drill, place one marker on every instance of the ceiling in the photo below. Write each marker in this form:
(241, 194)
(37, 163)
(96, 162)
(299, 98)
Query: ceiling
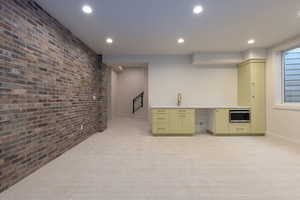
(152, 27)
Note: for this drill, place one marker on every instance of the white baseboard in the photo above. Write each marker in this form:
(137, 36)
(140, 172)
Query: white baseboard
(268, 133)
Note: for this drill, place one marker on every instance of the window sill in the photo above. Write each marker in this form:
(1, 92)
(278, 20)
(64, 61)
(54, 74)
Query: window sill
(294, 106)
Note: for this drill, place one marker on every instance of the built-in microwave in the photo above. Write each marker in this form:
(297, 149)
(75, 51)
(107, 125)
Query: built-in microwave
(239, 116)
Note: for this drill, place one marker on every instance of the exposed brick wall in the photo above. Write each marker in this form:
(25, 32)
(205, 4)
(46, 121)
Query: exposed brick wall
(48, 79)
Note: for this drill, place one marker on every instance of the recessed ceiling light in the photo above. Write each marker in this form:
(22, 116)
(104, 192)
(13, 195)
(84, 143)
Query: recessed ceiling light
(180, 40)
(87, 9)
(109, 41)
(198, 9)
(251, 41)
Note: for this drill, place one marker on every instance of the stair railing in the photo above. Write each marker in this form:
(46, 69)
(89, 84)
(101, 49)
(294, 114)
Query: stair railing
(138, 102)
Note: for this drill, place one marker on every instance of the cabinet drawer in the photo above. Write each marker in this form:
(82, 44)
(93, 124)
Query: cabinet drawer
(184, 111)
(160, 115)
(160, 120)
(239, 128)
(160, 128)
(160, 111)
(160, 123)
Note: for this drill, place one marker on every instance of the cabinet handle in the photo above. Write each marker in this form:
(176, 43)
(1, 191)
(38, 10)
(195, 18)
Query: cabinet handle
(253, 90)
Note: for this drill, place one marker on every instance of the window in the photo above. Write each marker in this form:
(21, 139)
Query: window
(291, 66)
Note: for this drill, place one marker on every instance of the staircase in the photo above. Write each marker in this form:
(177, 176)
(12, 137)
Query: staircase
(137, 103)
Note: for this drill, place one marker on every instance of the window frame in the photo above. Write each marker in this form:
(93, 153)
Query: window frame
(282, 101)
(283, 82)
(275, 62)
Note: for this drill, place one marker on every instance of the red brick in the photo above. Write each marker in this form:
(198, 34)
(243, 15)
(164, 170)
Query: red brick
(48, 78)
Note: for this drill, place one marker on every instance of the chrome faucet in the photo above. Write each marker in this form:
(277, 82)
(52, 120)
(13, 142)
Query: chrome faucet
(179, 99)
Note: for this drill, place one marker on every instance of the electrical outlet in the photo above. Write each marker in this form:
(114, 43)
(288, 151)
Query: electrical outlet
(81, 127)
(94, 98)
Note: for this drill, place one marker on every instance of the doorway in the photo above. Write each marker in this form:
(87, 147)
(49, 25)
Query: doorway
(127, 83)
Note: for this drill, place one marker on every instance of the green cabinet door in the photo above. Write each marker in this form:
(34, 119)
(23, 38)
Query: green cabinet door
(244, 85)
(175, 123)
(258, 114)
(182, 121)
(188, 122)
(160, 121)
(221, 121)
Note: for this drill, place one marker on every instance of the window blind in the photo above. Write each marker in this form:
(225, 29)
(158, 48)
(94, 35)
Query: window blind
(292, 76)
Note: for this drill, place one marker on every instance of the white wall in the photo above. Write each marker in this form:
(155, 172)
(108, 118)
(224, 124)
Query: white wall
(282, 120)
(256, 53)
(199, 85)
(217, 58)
(112, 103)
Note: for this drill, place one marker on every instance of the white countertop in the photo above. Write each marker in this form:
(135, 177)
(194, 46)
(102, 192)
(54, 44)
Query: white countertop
(202, 107)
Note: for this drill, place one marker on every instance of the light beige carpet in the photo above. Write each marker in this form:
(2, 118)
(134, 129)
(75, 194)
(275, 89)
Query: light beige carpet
(126, 163)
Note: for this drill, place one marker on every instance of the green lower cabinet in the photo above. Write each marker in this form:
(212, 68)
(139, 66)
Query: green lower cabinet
(182, 121)
(177, 122)
(223, 127)
(221, 121)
